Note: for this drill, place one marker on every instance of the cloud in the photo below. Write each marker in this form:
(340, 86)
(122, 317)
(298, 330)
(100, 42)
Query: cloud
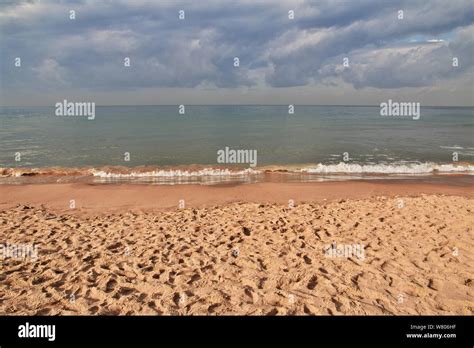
(50, 72)
(198, 52)
(299, 56)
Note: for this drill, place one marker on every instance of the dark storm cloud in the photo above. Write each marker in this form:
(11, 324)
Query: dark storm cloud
(274, 51)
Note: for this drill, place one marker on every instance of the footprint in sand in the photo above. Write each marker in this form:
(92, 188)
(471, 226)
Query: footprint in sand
(40, 280)
(212, 308)
(125, 291)
(179, 299)
(337, 304)
(110, 286)
(312, 283)
(261, 282)
(274, 311)
(44, 311)
(194, 278)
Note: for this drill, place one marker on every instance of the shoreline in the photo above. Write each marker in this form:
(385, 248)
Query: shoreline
(190, 170)
(107, 198)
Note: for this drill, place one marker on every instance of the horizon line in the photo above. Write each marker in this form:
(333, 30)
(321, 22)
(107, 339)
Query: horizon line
(340, 105)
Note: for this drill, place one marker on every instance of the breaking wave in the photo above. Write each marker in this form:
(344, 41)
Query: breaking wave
(176, 173)
(199, 171)
(398, 168)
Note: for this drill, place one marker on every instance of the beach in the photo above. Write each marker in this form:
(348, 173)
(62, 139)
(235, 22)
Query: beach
(271, 248)
(176, 172)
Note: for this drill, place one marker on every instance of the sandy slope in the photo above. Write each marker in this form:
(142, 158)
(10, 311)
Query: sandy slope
(245, 258)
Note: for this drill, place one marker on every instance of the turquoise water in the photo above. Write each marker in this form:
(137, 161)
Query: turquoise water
(160, 136)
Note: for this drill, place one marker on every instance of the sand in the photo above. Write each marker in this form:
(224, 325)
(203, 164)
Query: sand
(130, 249)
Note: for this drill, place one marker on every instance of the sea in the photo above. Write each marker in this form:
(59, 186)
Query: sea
(170, 145)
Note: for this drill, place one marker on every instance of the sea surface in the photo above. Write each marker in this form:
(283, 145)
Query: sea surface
(161, 143)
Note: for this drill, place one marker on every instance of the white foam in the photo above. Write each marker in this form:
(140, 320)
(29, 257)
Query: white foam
(454, 147)
(176, 173)
(413, 168)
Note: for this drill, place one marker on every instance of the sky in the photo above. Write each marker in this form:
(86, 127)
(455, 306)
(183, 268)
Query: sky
(282, 60)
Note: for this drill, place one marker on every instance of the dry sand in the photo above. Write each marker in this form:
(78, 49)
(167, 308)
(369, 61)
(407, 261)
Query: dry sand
(128, 249)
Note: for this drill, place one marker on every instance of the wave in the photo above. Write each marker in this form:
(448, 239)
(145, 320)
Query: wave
(176, 173)
(453, 147)
(200, 171)
(397, 168)
(126, 172)
(47, 171)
